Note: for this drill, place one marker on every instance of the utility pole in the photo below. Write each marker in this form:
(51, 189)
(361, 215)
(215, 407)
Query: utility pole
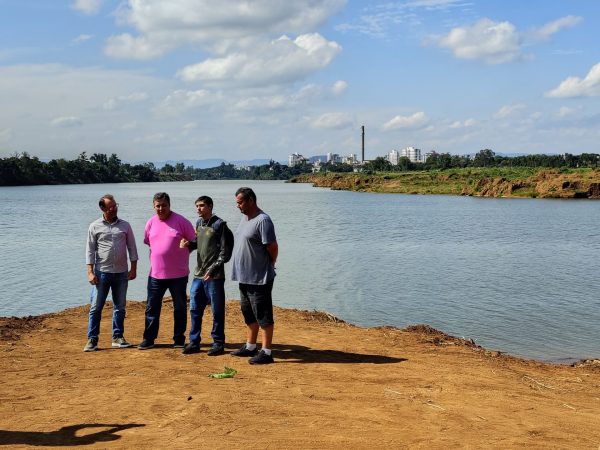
(363, 143)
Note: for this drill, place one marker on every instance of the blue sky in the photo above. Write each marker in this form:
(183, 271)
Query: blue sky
(196, 79)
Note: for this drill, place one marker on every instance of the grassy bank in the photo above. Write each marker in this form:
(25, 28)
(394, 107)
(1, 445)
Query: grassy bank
(483, 182)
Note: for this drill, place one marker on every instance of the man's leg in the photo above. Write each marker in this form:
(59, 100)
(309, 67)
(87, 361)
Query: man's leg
(216, 292)
(198, 302)
(119, 295)
(98, 296)
(156, 291)
(177, 288)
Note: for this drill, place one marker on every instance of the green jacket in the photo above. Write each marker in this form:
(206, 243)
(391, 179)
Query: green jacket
(210, 246)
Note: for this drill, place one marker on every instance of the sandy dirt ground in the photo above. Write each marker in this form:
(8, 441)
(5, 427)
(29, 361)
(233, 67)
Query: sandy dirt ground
(333, 385)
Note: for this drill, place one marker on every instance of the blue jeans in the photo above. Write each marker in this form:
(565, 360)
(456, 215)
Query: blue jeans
(117, 283)
(202, 293)
(156, 290)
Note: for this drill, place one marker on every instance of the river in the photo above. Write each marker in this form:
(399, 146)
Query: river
(516, 275)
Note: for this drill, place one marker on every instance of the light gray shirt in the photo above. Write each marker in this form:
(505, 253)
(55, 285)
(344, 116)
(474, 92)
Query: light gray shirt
(107, 246)
(251, 263)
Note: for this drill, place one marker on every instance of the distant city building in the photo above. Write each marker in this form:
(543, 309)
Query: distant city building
(316, 166)
(333, 158)
(350, 159)
(413, 154)
(295, 159)
(393, 157)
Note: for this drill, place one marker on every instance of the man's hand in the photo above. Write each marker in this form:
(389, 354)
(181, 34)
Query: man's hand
(207, 277)
(132, 274)
(184, 243)
(92, 278)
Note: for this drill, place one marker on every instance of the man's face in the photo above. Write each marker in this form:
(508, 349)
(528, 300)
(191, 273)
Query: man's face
(162, 208)
(109, 210)
(204, 210)
(243, 204)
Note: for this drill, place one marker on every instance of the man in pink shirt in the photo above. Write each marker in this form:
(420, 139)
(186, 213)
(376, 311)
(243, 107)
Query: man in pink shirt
(169, 269)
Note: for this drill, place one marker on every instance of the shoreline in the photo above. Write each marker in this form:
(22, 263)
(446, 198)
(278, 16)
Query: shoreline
(481, 182)
(10, 323)
(333, 384)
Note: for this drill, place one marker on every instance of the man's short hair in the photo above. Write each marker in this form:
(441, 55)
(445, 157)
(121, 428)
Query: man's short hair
(107, 197)
(246, 193)
(205, 199)
(161, 196)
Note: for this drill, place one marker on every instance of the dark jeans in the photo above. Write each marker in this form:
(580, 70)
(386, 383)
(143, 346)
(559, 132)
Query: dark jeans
(202, 293)
(156, 291)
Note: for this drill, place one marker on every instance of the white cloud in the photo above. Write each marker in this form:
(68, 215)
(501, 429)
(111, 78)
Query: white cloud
(339, 87)
(576, 87)
(280, 61)
(566, 111)
(66, 122)
(378, 20)
(546, 31)
(333, 121)
(88, 7)
(117, 102)
(465, 124)
(415, 120)
(493, 42)
(508, 110)
(82, 38)
(183, 100)
(216, 26)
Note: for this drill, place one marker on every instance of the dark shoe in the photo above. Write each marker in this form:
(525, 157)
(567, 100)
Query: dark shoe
(146, 344)
(191, 348)
(216, 350)
(261, 358)
(91, 346)
(179, 343)
(243, 351)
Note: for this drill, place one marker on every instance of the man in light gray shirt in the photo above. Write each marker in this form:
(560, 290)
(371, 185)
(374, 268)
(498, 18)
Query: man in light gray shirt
(253, 266)
(108, 242)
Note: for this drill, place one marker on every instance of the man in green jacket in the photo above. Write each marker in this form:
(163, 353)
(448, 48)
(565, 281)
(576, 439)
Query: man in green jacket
(214, 244)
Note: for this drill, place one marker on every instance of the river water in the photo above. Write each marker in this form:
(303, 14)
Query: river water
(515, 275)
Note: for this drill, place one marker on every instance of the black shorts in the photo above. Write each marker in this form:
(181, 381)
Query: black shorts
(257, 303)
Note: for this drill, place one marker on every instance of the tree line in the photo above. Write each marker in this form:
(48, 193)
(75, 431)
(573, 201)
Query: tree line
(483, 158)
(23, 169)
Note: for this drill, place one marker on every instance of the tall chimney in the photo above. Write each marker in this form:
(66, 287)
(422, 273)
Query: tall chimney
(363, 143)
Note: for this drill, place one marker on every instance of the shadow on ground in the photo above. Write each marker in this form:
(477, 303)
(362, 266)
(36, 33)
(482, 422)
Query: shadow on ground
(301, 354)
(66, 436)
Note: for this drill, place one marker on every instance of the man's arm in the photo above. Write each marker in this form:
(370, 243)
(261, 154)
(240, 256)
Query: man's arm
(90, 255)
(133, 255)
(91, 275)
(273, 251)
(220, 262)
(133, 271)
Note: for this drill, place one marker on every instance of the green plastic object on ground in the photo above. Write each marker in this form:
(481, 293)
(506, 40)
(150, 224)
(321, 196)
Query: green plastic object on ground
(228, 372)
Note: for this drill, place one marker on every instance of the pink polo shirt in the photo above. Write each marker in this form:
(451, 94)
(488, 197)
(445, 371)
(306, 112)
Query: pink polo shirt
(167, 260)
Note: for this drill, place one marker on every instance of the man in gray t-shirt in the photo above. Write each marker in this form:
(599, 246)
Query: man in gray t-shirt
(253, 266)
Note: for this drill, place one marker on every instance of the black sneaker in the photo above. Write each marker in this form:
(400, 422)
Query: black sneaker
(216, 350)
(261, 358)
(146, 344)
(179, 343)
(191, 348)
(243, 351)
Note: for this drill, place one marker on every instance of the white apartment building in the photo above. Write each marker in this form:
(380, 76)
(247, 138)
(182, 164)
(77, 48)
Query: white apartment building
(414, 154)
(350, 159)
(295, 159)
(393, 157)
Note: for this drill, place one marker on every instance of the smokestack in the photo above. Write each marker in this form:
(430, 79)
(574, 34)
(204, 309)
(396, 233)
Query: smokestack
(363, 143)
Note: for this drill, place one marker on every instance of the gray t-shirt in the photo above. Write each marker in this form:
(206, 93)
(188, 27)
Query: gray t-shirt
(251, 263)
